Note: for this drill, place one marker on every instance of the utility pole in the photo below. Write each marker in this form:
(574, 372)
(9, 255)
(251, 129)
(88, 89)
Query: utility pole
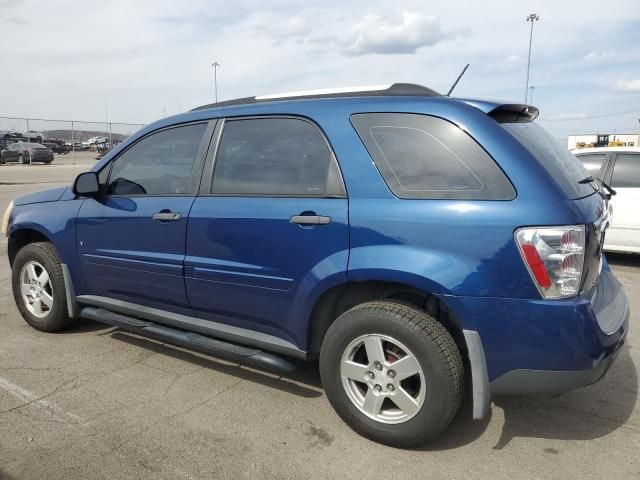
(215, 66)
(531, 89)
(531, 18)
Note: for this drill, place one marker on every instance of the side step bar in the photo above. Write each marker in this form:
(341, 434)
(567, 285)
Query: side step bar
(228, 351)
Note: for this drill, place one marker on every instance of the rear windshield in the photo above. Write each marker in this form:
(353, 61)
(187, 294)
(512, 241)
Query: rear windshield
(562, 165)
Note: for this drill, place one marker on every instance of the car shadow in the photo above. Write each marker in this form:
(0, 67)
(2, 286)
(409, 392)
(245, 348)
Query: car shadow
(623, 259)
(83, 325)
(463, 428)
(304, 381)
(584, 414)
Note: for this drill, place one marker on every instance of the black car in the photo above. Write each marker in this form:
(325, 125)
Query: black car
(25, 153)
(56, 147)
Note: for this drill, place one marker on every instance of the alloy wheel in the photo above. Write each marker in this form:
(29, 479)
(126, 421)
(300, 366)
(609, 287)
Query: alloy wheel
(36, 289)
(383, 379)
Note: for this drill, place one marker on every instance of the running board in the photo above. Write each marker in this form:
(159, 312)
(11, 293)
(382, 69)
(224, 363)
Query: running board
(227, 351)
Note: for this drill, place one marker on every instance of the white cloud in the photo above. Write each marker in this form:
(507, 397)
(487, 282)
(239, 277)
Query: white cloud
(369, 34)
(513, 59)
(597, 56)
(380, 34)
(628, 86)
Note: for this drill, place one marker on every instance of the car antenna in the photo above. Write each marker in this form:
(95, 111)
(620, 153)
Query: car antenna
(457, 80)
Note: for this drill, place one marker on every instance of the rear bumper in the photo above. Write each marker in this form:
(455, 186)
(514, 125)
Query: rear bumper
(553, 382)
(548, 347)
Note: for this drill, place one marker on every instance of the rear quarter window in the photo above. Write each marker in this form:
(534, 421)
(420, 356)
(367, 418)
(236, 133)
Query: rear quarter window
(425, 157)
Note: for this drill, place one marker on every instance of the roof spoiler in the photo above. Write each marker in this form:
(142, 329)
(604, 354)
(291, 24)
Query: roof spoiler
(514, 113)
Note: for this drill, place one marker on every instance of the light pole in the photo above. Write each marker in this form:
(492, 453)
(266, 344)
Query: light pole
(531, 18)
(531, 89)
(215, 66)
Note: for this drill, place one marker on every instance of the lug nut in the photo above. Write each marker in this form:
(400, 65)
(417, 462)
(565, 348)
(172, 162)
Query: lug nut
(371, 374)
(390, 387)
(377, 365)
(377, 388)
(391, 373)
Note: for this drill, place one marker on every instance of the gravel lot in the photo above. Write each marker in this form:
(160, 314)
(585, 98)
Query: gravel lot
(96, 402)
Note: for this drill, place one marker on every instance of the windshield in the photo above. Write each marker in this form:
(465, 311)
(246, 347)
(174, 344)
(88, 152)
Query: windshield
(562, 165)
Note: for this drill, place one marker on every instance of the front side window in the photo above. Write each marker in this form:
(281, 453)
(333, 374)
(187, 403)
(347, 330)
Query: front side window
(626, 173)
(425, 157)
(275, 156)
(160, 164)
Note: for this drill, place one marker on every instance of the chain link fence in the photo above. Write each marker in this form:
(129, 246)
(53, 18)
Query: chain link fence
(65, 136)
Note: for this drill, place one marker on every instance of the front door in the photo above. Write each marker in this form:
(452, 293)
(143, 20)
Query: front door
(132, 240)
(624, 232)
(270, 229)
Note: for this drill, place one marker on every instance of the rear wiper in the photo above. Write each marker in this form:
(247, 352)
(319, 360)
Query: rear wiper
(592, 179)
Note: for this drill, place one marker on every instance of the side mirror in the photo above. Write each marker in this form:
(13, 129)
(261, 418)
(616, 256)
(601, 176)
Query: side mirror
(86, 185)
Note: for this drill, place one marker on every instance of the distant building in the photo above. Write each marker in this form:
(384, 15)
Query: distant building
(603, 140)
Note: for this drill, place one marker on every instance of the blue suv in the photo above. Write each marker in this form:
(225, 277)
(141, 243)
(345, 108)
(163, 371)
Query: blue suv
(412, 242)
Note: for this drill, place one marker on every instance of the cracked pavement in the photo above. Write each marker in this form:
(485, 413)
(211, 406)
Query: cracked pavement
(97, 402)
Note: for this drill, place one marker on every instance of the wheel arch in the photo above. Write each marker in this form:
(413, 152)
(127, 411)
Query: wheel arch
(21, 237)
(336, 300)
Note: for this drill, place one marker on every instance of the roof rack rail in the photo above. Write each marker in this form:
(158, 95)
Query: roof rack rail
(397, 89)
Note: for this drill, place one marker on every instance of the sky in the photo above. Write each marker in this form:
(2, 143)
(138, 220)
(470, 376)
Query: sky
(138, 60)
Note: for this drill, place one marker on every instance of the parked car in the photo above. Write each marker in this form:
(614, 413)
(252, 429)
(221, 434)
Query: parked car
(24, 152)
(619, 167)
(56, 147)
(396, 234)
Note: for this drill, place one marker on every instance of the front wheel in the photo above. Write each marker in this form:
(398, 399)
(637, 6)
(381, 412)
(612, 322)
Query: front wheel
(38, 287)
(22, 160)
(393, 373)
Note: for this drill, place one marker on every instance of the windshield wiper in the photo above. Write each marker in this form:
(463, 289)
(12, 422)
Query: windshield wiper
(592, 179)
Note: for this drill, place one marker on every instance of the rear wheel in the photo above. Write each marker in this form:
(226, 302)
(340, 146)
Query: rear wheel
(38, 287)
(392, 373)
(22, 160)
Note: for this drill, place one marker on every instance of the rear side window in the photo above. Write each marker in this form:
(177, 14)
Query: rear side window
(275, 156)
(592, 162)
(626, 173)
(561, 164)
(160, 164)
(424, 157)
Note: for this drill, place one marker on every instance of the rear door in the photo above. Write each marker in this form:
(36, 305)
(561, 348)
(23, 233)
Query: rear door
(132, 240)
(624, 233)
(270, 229)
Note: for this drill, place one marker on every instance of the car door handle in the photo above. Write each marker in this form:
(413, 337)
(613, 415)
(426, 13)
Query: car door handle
(310, 220)
(166, 216)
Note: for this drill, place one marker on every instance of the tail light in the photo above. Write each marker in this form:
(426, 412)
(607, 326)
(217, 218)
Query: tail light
(554, 257)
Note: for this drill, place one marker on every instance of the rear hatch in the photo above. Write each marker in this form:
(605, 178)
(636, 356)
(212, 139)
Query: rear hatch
(567, 172)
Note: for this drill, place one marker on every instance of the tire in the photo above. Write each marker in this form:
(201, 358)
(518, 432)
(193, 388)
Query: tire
(41, 256)
(21, 160)
(436, 389)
